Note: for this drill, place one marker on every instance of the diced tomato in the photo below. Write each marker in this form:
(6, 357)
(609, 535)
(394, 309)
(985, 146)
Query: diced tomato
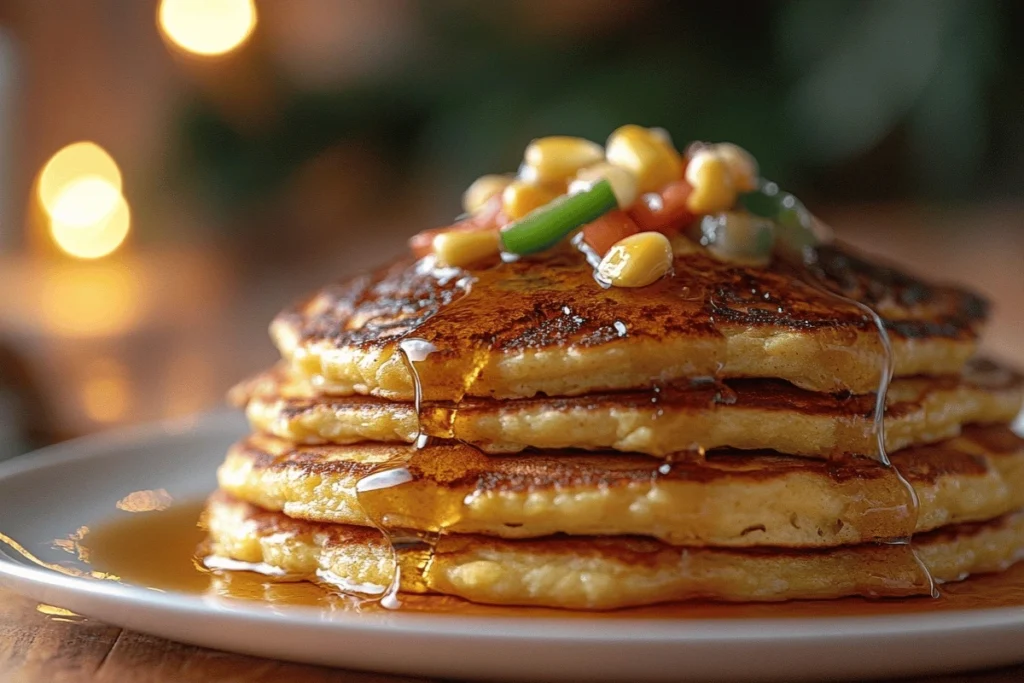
(604, 232)
(489, 218)
(668, 218)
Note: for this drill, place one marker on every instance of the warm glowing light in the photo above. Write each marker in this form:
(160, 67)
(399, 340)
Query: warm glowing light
(76, 161)
(207, 27)
(91, 299)
(105, 391)
(80, 190)
(85, 201)
(91, 240)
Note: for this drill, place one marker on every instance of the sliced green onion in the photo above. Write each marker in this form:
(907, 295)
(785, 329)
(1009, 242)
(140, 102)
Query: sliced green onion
(764, 201)
(545, 227)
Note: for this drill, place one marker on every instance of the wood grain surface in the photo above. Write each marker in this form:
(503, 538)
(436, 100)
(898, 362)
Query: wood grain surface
(35, 648)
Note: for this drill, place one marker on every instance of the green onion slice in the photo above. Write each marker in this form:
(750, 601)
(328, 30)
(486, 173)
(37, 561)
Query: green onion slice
(548, 225)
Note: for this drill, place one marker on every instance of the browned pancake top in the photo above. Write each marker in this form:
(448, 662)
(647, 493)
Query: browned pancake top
(553, 301)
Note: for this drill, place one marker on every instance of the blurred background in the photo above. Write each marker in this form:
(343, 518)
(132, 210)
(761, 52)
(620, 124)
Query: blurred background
(172, 173)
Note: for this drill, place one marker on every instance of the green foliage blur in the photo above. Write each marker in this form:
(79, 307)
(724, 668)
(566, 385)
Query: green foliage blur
(840, 100)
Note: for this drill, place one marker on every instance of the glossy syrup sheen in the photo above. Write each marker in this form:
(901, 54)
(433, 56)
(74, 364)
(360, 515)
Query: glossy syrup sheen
(158, 550)
(446, 319)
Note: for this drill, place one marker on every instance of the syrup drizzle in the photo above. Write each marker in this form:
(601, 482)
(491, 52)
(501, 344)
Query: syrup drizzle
(886, 372)
(415, 546)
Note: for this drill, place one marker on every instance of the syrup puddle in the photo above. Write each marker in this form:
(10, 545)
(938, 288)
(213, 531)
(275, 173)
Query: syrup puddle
(158, 550)
(59, 613)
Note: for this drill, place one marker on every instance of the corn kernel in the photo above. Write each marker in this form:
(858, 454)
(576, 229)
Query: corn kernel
(647, 155)
(461, 248)
(623, 182)
(557, 158)
(482, 190)
(636, 261)
(742, 166)
(713, 188)
(520, 198)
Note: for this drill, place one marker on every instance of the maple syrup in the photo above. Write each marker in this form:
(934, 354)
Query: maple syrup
(161, 550)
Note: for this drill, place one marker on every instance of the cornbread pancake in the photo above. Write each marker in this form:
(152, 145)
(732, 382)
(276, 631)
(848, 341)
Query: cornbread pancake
(728, 499)
(601, 572)
(744, 414)
(542, 326)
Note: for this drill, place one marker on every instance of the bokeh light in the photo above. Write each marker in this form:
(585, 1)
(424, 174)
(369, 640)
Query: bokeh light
(84, 202)
(105, 390)
(91, 240)
(207, 27)
(90, 300)
(75, 161)
(80, 190)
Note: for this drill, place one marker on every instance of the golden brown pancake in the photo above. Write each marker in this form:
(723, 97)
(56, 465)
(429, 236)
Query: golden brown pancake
(603, 573)
(543, 326)
(744, 414)
(729, 499)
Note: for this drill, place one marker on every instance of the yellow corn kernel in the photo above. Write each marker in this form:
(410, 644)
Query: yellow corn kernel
(713, 189)
(647, 155)
(482, 190)
(461, 248)
(742, 166)
(623, 182)
(520, 198)
(636, 261)
(555, 159)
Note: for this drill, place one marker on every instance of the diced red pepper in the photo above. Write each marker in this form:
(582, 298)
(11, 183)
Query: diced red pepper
(604, 232)
(669, 215)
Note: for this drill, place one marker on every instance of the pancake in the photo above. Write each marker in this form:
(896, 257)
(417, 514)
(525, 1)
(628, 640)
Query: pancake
(602, 573)
(543, 326)
(728, 499)
(744, 414)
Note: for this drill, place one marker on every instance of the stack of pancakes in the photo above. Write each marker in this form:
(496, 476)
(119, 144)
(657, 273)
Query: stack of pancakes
(519, 435)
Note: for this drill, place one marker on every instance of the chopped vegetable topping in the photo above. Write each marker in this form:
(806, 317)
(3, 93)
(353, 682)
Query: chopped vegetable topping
(461, 248)
(636, 261)
(548, 225)
(482, 191)
(520, 198)
(738, 236)
(601, 234)
(793, 222)
(647, 154)
(555, 159)
(664, 211)
(620, 195)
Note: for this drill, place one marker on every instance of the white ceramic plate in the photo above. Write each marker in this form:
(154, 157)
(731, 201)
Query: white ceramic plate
(49, 494)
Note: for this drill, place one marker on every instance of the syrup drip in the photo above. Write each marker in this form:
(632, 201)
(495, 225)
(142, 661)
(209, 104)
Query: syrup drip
(884, 379)
(373, 491)
(415, 546)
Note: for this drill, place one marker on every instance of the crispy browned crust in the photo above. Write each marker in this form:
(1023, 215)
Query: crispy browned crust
(719, 313)
(728, 499)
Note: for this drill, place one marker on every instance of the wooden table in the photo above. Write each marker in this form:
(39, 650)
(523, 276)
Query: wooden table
(34, 647)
